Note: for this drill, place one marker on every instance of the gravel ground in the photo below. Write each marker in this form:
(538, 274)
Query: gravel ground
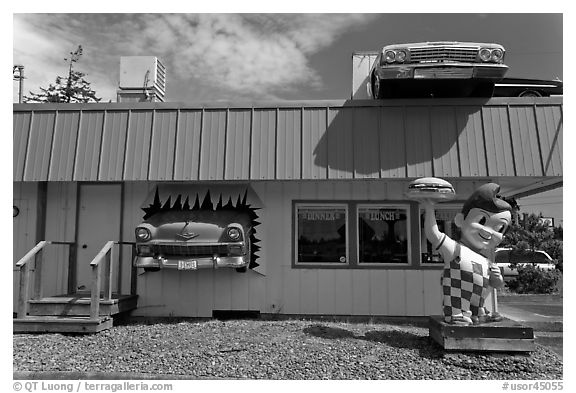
(257, 349)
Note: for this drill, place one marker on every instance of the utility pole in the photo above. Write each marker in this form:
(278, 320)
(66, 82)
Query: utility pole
(18, 75)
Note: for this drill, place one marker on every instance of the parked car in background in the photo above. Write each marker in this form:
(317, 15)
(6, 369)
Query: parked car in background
(517, 87)
(508, 261)
(437, 69)
(195, 239)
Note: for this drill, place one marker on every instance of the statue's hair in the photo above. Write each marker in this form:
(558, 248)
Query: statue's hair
(486, 197)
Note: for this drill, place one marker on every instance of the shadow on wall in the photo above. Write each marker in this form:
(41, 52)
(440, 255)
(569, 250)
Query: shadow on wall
(427, 137)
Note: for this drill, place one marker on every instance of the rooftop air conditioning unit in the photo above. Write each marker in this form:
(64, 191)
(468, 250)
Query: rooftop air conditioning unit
(142, 78)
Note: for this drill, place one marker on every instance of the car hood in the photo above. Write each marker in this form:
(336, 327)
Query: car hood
(192, 232)
(194, 226)
(443, 43)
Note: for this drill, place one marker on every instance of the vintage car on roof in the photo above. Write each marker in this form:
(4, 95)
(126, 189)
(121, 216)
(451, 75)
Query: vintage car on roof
(523, 87)
(191, 240)
(437, 69)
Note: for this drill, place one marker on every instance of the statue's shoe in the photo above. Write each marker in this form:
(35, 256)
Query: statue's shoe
(460, 320)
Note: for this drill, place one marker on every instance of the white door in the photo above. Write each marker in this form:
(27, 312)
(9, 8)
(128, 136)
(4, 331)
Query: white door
(98, 222)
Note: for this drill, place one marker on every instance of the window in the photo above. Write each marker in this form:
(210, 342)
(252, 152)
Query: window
(356, 235)
(445, 219)
(383, 236)
(321, 234)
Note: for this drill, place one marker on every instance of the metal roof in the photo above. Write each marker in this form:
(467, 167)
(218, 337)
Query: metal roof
(288, 140)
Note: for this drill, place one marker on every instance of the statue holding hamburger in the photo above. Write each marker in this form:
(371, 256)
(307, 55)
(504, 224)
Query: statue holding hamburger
(470, 271)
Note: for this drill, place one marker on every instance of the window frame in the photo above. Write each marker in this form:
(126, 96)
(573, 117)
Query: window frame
(397, 206)
(319, 206)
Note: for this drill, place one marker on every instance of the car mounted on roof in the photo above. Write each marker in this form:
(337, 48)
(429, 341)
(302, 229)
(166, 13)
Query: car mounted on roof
(437, 69)
(521, 87)
(191, 240)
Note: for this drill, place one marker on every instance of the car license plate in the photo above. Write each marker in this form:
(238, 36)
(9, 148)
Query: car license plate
(187, 265)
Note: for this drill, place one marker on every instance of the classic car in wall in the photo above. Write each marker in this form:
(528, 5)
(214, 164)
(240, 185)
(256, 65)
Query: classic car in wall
(180, 232)
(191, 240)
(437, 69)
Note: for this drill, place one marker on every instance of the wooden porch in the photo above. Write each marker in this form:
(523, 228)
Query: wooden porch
(76, 312)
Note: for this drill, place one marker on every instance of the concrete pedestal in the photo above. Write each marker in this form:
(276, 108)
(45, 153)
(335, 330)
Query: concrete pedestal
(505, 336)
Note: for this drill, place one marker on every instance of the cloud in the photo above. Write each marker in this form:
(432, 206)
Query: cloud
(222, 56)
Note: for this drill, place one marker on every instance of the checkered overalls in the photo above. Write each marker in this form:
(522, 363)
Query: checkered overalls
(465, 284)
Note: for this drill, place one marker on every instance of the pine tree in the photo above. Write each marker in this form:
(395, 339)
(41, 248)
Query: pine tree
(71, 89)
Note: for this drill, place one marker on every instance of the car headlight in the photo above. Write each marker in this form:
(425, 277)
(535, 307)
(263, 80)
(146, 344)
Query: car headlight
(485, 54)
(234, 233)
(400, 56)
(390, 56)
(497, 55)
(143, 234)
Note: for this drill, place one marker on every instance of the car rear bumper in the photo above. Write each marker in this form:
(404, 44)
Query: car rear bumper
(489, 72)
(184, 263)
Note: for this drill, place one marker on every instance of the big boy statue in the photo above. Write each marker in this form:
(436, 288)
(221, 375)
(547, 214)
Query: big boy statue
(470, 271)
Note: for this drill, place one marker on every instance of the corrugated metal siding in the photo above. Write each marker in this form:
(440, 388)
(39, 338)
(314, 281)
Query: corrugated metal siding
(238, 144)
(472, 140)
(64, 147)
(340, 143)
(497, 142)
(418, 142)
(549, 124)
(365, 134)
(317, 140)
(289, 144)
(263, 145)
(163, 142)
(443, 130)
(138, 146)
(89, 144)
(21, 132)
(113, 146)
(525, 137)
(314, 146)
(392, 143)
(213, 144)
(187, 161)
(39, 147)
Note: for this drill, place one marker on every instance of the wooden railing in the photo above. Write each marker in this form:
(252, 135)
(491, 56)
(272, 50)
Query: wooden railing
(28, 273)
(102, 276)
(106, 254)
(102, 267)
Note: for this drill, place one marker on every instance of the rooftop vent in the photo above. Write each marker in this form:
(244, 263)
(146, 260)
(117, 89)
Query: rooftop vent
(142, 78)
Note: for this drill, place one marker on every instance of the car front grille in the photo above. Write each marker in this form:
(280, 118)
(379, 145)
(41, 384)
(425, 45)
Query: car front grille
(443, 53)
(189, 250)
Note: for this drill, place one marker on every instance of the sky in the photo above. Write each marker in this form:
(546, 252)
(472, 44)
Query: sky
(211, 57)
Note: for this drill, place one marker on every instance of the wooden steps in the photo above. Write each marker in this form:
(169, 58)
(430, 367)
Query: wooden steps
(79, 305)
(57, 324)
(71, 314)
